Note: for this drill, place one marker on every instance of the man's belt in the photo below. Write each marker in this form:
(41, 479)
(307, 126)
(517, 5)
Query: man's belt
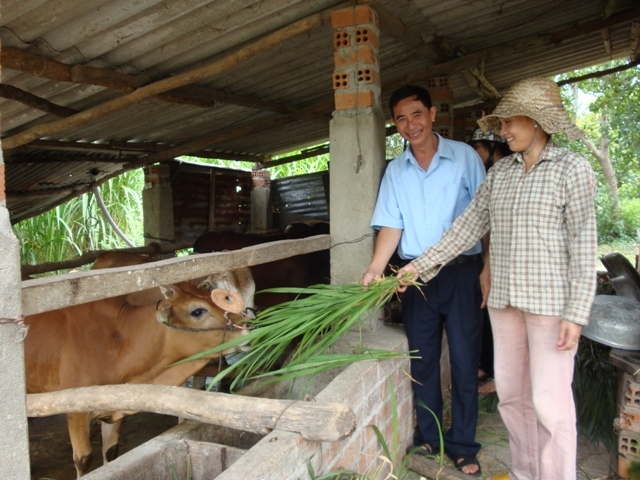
(460, 259)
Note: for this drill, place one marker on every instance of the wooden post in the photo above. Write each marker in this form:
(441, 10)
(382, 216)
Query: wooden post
(316, 421)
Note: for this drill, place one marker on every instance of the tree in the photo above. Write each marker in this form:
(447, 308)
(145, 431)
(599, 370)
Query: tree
(612, 126)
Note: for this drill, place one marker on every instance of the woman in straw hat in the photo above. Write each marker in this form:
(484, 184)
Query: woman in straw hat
(539, 205)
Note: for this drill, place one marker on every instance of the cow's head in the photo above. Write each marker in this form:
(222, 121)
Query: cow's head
(239, 281)
(186, 308)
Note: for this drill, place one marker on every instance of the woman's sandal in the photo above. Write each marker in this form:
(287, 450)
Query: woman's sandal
(465, 461)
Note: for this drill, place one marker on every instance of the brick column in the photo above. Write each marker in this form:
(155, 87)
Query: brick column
(357, 142)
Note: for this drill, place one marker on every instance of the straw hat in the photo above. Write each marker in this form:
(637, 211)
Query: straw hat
(537, 98)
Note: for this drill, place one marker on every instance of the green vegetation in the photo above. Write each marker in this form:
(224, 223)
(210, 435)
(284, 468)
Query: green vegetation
(79, 226)
(313, 322)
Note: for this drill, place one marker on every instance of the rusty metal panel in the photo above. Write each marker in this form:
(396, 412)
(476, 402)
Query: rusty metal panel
(191, 186)
(303, 195)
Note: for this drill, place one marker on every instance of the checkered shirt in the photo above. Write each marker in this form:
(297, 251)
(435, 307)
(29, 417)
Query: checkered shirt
(543, 235)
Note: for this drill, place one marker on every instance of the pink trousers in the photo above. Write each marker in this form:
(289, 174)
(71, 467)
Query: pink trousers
(533, 381)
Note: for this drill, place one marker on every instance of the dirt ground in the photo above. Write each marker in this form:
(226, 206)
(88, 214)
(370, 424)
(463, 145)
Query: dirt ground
(50, 449)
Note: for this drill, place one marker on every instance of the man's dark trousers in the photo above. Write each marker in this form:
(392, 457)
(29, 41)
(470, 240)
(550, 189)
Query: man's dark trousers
(451, 301)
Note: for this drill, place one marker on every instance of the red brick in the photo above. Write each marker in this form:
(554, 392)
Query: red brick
(341, 80)
(627, 465)
(363, 99)
(357, 15)
(366, 36)
(342, 40)
(630, 421)
(368, 76)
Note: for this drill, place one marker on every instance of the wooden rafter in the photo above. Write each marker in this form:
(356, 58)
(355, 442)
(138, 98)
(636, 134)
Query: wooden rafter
(215, 68)
(26, 98)
(44, 67)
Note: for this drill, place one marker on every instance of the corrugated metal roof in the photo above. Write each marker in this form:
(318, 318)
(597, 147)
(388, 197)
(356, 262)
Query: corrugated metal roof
(274, 102)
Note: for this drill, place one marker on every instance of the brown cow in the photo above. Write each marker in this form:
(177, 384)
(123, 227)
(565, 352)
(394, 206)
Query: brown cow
(112, 342)
(298, 271)
(239, 280)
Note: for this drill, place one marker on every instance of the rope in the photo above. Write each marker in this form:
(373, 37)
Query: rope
(21, 332)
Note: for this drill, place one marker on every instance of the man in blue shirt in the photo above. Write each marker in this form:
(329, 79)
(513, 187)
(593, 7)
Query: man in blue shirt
(422, 192)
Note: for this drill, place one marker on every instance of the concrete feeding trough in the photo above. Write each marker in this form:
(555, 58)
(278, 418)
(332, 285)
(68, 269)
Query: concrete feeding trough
(210, 451)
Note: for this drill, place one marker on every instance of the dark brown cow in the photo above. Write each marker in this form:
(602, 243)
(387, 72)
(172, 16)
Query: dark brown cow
(297, 271)
(112, 342)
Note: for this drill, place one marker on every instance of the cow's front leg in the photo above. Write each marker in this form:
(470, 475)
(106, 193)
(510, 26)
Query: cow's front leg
(79, 424)
(110, 440)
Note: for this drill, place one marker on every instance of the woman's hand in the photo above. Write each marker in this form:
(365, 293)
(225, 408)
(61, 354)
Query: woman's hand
(403, 272)
(569, 335)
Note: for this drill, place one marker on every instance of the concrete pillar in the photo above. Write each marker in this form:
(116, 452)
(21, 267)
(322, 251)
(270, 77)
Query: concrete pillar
(14, 441)
(261, 202)
(157, 205)
(357, 142)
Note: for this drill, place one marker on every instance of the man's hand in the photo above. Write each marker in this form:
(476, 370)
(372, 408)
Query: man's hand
(403, 272)
(569, 335)
(369, 276)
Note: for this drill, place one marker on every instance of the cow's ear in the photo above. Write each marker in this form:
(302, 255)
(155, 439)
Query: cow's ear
(227, 300)
(168, 291)
(163, 313)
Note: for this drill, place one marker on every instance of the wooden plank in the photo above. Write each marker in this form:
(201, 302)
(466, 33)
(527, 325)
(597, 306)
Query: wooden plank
(50, 293)
(315, 421)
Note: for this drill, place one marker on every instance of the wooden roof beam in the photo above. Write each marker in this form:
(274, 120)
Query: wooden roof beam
(41, 66)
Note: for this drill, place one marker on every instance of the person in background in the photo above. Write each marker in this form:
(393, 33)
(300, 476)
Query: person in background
(422, 191)
(491, 148)
(539, 206)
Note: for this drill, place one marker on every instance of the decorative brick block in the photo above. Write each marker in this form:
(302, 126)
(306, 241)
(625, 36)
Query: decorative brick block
(630, 394)
(438, 82)
(368, 76)
(340, 80)
(362, 99)
(341, 39)
(629, 444)
(357, 15)
(366, 36)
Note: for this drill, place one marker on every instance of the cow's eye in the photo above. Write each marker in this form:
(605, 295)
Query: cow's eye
(198, 312)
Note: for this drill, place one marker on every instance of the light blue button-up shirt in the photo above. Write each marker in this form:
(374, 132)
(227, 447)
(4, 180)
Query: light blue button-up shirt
(424, 204)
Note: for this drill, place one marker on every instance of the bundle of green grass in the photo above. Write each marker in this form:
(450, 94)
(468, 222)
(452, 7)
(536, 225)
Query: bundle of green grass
(318, 317)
